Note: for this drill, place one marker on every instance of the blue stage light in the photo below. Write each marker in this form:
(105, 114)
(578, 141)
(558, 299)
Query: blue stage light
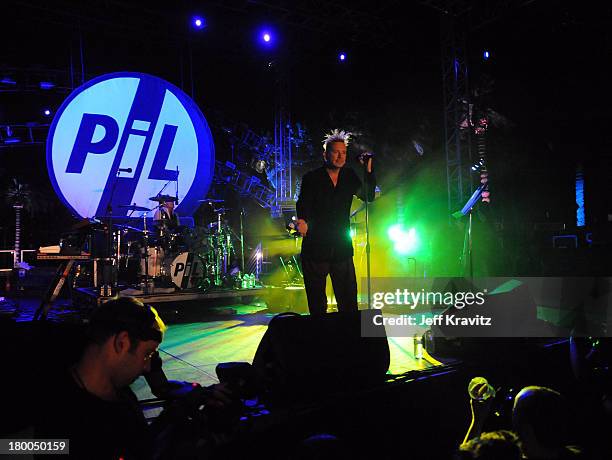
(46, 112)
(266, 36)
(342, 56)
(10, 139)
(486, 55)
(46, 85)
(198, 22)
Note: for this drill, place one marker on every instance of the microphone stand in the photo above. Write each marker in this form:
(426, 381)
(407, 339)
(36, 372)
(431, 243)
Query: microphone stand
(145, 238)
(242, 238)
(367, 229)
(163, 188)
(109, 240)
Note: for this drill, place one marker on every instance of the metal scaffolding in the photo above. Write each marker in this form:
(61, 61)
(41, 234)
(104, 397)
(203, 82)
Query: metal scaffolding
(456, 16)
(457, 108)
(283, 161)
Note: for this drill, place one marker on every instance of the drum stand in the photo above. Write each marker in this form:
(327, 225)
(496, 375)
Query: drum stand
(109, 274)
(145, 239)
(219, 254)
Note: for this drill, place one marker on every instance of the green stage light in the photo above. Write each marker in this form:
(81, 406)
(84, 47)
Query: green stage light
(395, 232)
(405, 242)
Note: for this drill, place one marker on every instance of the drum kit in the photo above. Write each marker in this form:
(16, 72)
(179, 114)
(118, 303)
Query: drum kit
(170, 255)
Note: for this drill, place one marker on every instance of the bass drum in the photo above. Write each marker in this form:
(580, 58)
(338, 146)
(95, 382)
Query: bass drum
(187, 270)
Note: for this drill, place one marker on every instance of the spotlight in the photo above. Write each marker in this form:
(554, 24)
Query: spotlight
(395, 232)
(486, 55)
(405, 242)
(267, 37)
(46, 112)
(479, 165)
(342, 56)
(198, 22)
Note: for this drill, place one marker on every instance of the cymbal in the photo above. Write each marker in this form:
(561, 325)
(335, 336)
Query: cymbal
(162, 198)
(134, 218)
(133, 207)
(129, 227)
(85, 223)
(211, 201)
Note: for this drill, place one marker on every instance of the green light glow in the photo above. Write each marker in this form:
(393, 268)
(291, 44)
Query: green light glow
(405, 242)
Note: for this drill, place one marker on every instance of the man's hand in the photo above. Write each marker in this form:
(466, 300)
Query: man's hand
(302, 227)
(369, 160)
(220, 395)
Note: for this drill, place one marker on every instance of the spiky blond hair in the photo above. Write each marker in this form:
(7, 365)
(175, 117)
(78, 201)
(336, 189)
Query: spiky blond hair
(336, 136)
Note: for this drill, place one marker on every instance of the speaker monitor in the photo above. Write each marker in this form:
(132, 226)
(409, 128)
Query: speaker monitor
(314, 355)
(514, 324)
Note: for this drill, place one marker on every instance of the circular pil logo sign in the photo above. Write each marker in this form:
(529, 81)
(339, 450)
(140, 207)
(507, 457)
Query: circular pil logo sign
(124, 137)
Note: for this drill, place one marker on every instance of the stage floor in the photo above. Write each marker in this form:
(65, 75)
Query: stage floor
(190, 351)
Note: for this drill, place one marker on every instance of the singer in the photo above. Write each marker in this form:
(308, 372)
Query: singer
(323, 212)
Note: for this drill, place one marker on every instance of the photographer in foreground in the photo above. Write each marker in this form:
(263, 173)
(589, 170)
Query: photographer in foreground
(92, 404)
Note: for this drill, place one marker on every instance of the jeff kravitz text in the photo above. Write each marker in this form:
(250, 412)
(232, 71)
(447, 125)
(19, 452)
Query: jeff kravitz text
(435, 320)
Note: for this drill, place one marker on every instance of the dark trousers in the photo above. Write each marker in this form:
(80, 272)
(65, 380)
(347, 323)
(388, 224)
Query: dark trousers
(343, 279)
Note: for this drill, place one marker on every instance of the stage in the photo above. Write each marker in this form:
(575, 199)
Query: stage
(202, 334)
(88, 296)
(190, 351)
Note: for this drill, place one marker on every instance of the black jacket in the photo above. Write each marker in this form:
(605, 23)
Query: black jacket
(327, 209)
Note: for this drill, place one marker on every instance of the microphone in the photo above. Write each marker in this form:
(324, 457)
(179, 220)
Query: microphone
(127, 170)
(364, 156)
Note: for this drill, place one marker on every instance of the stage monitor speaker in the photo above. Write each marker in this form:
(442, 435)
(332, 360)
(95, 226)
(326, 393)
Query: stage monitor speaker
(303, 356)
(514, 327)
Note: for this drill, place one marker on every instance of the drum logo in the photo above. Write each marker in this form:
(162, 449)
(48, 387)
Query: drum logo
(121, 138)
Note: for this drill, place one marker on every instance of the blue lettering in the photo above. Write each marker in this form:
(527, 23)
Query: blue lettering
(158, 169)
(83, 144)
